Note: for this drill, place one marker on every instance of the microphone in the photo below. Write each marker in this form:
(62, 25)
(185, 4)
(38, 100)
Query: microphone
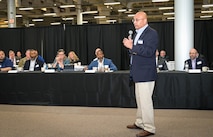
(130, 34)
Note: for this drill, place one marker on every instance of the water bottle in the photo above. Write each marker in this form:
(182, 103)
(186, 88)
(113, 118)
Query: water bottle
(44, 67)
(186, 66)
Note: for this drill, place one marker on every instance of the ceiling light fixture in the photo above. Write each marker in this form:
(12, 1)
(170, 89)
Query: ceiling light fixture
(18, 16)
(4, 26)
(67, 6)
(90, 12)
(171, 18)
(111, 21)
(122, 10)
(112, 3)
(50, 14)
(44, 9)
(169, 13)
(99, 17)
(207, 5)
(55, 23)
(31, 25)
(160, 0)
(206, 16)
(84, 22)
(37, 20)
(131, 15)
(67, 19)
(209, 11)
(30, 8)
(129, 11)
(166, 8)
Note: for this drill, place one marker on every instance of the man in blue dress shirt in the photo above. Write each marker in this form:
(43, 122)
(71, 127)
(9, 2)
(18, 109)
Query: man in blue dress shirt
(101, 62)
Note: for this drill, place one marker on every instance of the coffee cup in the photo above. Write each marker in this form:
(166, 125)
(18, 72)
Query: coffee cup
(19, 68)
(95, 68)
(205, 69)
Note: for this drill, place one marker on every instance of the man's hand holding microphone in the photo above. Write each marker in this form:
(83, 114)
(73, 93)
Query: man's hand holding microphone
(128, 42)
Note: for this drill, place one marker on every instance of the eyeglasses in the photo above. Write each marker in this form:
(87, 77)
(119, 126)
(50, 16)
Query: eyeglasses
(133, 20)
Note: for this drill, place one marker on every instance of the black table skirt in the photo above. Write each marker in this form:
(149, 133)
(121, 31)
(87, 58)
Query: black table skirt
(173, 89)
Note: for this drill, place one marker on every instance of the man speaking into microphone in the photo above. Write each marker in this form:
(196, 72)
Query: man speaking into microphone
(143, 72)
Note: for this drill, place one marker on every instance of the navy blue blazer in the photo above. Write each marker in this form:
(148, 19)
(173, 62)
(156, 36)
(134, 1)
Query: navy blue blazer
(199, 63)
(143, 67)
(109, 62)
(37, 67)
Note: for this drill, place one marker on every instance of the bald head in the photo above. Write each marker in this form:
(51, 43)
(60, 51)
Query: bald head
(193, 53)
(140, 20)
(141, 14)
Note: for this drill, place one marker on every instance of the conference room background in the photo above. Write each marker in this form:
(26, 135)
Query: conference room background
(84, 39)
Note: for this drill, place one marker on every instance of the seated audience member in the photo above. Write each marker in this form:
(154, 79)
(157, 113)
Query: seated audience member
(34, 64)
(194, 62)
(40, 58)
(163, 55)
(96, 51)
(5, 63)
(60, 60)
(12, 57)
(73, 58)
(23, 60)
(101, 62)
(160, 62)
(18, 57)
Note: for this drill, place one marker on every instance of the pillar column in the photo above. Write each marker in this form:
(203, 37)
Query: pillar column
(184, 31)
(11, 13)
(79, 13)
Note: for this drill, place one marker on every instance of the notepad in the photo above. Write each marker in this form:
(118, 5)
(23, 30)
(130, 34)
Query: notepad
(194, 71)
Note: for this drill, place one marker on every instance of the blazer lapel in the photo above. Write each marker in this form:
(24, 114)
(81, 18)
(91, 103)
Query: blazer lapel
(143, 34)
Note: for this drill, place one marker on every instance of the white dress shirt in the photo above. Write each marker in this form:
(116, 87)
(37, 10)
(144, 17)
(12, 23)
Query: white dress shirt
(194, 64)
(32, 65)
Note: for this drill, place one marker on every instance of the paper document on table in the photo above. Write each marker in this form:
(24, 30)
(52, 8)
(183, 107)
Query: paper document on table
(49, 70)
(12, 71)
(194, 71)
(90, 71)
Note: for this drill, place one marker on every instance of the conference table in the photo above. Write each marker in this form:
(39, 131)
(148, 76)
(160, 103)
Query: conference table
(173, 89)
(178, 89)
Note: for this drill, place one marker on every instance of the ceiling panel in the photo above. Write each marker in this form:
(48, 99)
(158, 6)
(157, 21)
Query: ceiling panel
(111, 12)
